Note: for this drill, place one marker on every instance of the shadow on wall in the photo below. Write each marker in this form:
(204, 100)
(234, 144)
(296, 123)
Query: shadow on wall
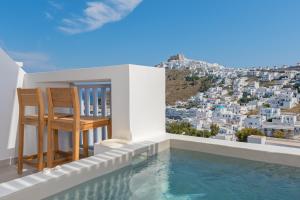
(11, 77)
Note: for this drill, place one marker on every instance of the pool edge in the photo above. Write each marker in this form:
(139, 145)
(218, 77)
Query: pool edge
(40, 185)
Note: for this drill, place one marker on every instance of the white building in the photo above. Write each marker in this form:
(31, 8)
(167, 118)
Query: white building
(266, 76)
(238, 84)
(254, 85)
(254, 121)
(269, 128)
(180, 113)
(253, 73)
(270, 113)
(285, 99)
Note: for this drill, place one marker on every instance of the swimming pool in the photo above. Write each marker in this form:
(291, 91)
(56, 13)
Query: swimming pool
(180, 174)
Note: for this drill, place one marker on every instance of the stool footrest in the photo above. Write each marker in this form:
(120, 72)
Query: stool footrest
(62, 157)
(32, 160)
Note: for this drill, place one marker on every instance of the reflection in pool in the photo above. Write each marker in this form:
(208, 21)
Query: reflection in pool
(178, 174)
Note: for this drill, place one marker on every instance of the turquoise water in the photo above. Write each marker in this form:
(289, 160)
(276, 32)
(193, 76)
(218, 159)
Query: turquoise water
(178, 174)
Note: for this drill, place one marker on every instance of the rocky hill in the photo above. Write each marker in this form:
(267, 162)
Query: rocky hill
(180, 86)
(182, 80)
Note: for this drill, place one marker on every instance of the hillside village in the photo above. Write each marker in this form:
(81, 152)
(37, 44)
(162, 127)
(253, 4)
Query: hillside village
(264, 98)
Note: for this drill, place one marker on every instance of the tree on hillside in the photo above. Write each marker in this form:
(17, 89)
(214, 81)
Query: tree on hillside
(279, 134)
(246, 98)
(180, 128)
(185, 128)
(266, 105)
(243, 134)
(214, 129)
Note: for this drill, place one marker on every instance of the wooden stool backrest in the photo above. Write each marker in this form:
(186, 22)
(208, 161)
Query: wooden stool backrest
(63, 98)
(31, 97)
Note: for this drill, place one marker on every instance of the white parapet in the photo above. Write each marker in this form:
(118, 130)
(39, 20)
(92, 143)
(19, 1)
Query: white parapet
(256, 139)
(224, 137)
(146, 102)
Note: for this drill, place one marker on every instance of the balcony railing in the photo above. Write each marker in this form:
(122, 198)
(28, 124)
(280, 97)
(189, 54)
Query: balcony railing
(95, 100)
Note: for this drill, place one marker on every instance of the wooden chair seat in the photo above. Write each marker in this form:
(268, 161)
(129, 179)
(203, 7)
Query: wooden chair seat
(86, 122)
(34, 119)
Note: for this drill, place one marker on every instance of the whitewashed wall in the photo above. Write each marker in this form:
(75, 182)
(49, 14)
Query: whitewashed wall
(11, 77)
(147, 102)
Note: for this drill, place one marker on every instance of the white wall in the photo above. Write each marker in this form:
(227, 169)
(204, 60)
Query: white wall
(147, 102)
(11, 77)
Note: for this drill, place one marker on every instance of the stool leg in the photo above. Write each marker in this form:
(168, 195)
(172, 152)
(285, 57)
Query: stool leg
(85, 135)
(21, 146)
(109, 130)
(49, 148)
(40, 147)
(76, 138)
(55, 141)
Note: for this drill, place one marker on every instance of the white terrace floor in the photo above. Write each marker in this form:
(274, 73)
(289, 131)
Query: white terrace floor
(9, 172)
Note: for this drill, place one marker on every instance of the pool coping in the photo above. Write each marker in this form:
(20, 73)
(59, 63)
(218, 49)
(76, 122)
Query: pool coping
(256, 152)
(41, 185)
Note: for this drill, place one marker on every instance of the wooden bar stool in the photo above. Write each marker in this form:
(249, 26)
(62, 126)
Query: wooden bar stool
(31, 97)
(68, 98)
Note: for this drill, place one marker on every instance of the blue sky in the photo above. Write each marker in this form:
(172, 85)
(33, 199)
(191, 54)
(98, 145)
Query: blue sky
(55, 34)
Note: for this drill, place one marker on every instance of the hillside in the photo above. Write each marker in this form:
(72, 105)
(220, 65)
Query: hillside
(180, 86)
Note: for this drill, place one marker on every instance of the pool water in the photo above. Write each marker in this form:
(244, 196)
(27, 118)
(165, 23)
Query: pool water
(178, 174)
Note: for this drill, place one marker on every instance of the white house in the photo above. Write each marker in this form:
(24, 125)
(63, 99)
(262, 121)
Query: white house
(270, 113)
(285, 119)
(254, 121)
(266, 76)
(254, 84)
(269, 128)
(285, 99)
(180, 113)
(253, 72)
(238, 84)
